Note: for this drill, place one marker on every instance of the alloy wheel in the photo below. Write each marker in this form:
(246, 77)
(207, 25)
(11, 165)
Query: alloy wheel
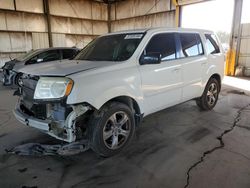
(116, 130)
(212, 94)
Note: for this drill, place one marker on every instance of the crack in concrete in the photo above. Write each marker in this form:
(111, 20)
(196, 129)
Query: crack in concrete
(222, 144)
(244, 127)
(237, 153)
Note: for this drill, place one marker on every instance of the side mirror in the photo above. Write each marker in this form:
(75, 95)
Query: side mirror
(154, 58)
(39, 60)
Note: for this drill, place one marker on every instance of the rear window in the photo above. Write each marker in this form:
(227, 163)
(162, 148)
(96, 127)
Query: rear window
(69, 53)
(212, 44)
(191, 44)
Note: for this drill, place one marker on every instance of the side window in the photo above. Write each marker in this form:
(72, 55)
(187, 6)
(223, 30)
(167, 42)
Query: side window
(163, 44)
(44, 57)
(212, 44)
(68, 54)
(50, 55)
(191, 44)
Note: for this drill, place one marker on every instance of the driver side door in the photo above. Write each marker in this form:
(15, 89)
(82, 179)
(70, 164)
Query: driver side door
(162, 82)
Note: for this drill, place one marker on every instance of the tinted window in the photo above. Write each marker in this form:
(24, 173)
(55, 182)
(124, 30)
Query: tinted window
(117, 47)
(163, 44)
(191, 44)
(50, 55)
(212, 44)
(69, 53)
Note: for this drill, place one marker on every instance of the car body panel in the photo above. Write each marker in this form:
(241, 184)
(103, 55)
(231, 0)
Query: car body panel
(63, 67)
(105, 86)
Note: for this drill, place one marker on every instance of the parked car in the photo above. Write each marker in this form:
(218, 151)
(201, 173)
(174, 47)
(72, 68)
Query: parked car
(119, 78)
(11, 68)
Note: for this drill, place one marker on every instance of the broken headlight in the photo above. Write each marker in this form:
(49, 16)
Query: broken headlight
(53, 87)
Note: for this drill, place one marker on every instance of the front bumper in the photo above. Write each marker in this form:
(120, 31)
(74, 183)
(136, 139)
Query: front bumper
(8, 77)
(63, 130)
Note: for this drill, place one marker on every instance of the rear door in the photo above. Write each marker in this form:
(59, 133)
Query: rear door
(161, 83)
(192, 59)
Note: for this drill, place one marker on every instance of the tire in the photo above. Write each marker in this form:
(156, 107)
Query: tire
(210, 95)
(17, 79)
(111, 129)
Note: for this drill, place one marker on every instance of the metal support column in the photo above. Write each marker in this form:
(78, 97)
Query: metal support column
(177, 13)
(109, 17)
(232, 60)
(48, 18)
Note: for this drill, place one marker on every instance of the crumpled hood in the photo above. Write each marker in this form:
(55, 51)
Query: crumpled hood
(63, 67)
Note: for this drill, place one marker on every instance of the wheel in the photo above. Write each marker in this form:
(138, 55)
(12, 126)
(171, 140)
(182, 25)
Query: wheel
(210, 95)
(18, 80)
(111, 129)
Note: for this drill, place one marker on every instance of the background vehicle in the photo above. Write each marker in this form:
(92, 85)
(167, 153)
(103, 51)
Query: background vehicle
(11, 68)
(104, 92)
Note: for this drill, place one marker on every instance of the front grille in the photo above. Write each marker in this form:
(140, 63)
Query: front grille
(28, 104)
(39, 111)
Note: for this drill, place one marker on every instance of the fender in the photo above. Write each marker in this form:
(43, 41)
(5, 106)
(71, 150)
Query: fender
(98, 88)
(212, 69)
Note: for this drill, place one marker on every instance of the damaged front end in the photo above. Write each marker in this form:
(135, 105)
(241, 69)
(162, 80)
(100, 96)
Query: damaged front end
(8, 73)
(52, 116)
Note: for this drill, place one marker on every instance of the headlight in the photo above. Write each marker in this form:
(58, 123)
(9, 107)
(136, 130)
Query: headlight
(53, 87)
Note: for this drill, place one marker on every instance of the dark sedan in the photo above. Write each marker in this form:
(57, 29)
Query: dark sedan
(11, 68)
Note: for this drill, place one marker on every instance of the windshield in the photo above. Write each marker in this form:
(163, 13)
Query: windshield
(26, 56)
(119, 47)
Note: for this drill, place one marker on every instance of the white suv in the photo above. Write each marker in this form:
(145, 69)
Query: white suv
(119, 78)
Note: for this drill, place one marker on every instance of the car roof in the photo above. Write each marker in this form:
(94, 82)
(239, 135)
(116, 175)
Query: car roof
(56, 48)
(59, 48)
(162, 29)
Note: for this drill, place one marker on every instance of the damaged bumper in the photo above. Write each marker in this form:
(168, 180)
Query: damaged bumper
(63, 130)
(8, 77)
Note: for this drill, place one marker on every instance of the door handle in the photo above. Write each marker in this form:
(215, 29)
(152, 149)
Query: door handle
(203, 63)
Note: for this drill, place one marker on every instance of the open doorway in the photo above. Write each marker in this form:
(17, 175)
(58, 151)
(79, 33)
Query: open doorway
(213, 15)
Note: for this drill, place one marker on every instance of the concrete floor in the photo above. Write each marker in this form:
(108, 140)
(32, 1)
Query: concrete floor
(177, 147)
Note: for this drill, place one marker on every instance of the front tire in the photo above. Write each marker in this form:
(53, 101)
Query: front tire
(111, 129)
(210, 95)
(18, 80)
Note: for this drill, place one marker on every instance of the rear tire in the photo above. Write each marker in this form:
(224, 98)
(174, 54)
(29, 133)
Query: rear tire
(210, 95)
(111, 129)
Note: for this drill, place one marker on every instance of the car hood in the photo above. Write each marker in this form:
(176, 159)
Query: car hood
(64, 67)
(18, 66)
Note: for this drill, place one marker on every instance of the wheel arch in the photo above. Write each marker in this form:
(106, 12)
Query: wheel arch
(218, 78)
(126, 100)
(131, 103)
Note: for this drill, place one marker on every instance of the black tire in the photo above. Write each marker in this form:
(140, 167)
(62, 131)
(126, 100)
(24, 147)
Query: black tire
(102, 122)
(17, 77)
(209, 99)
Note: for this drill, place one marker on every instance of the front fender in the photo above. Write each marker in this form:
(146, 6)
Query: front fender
(117, 92)
(97, 89)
